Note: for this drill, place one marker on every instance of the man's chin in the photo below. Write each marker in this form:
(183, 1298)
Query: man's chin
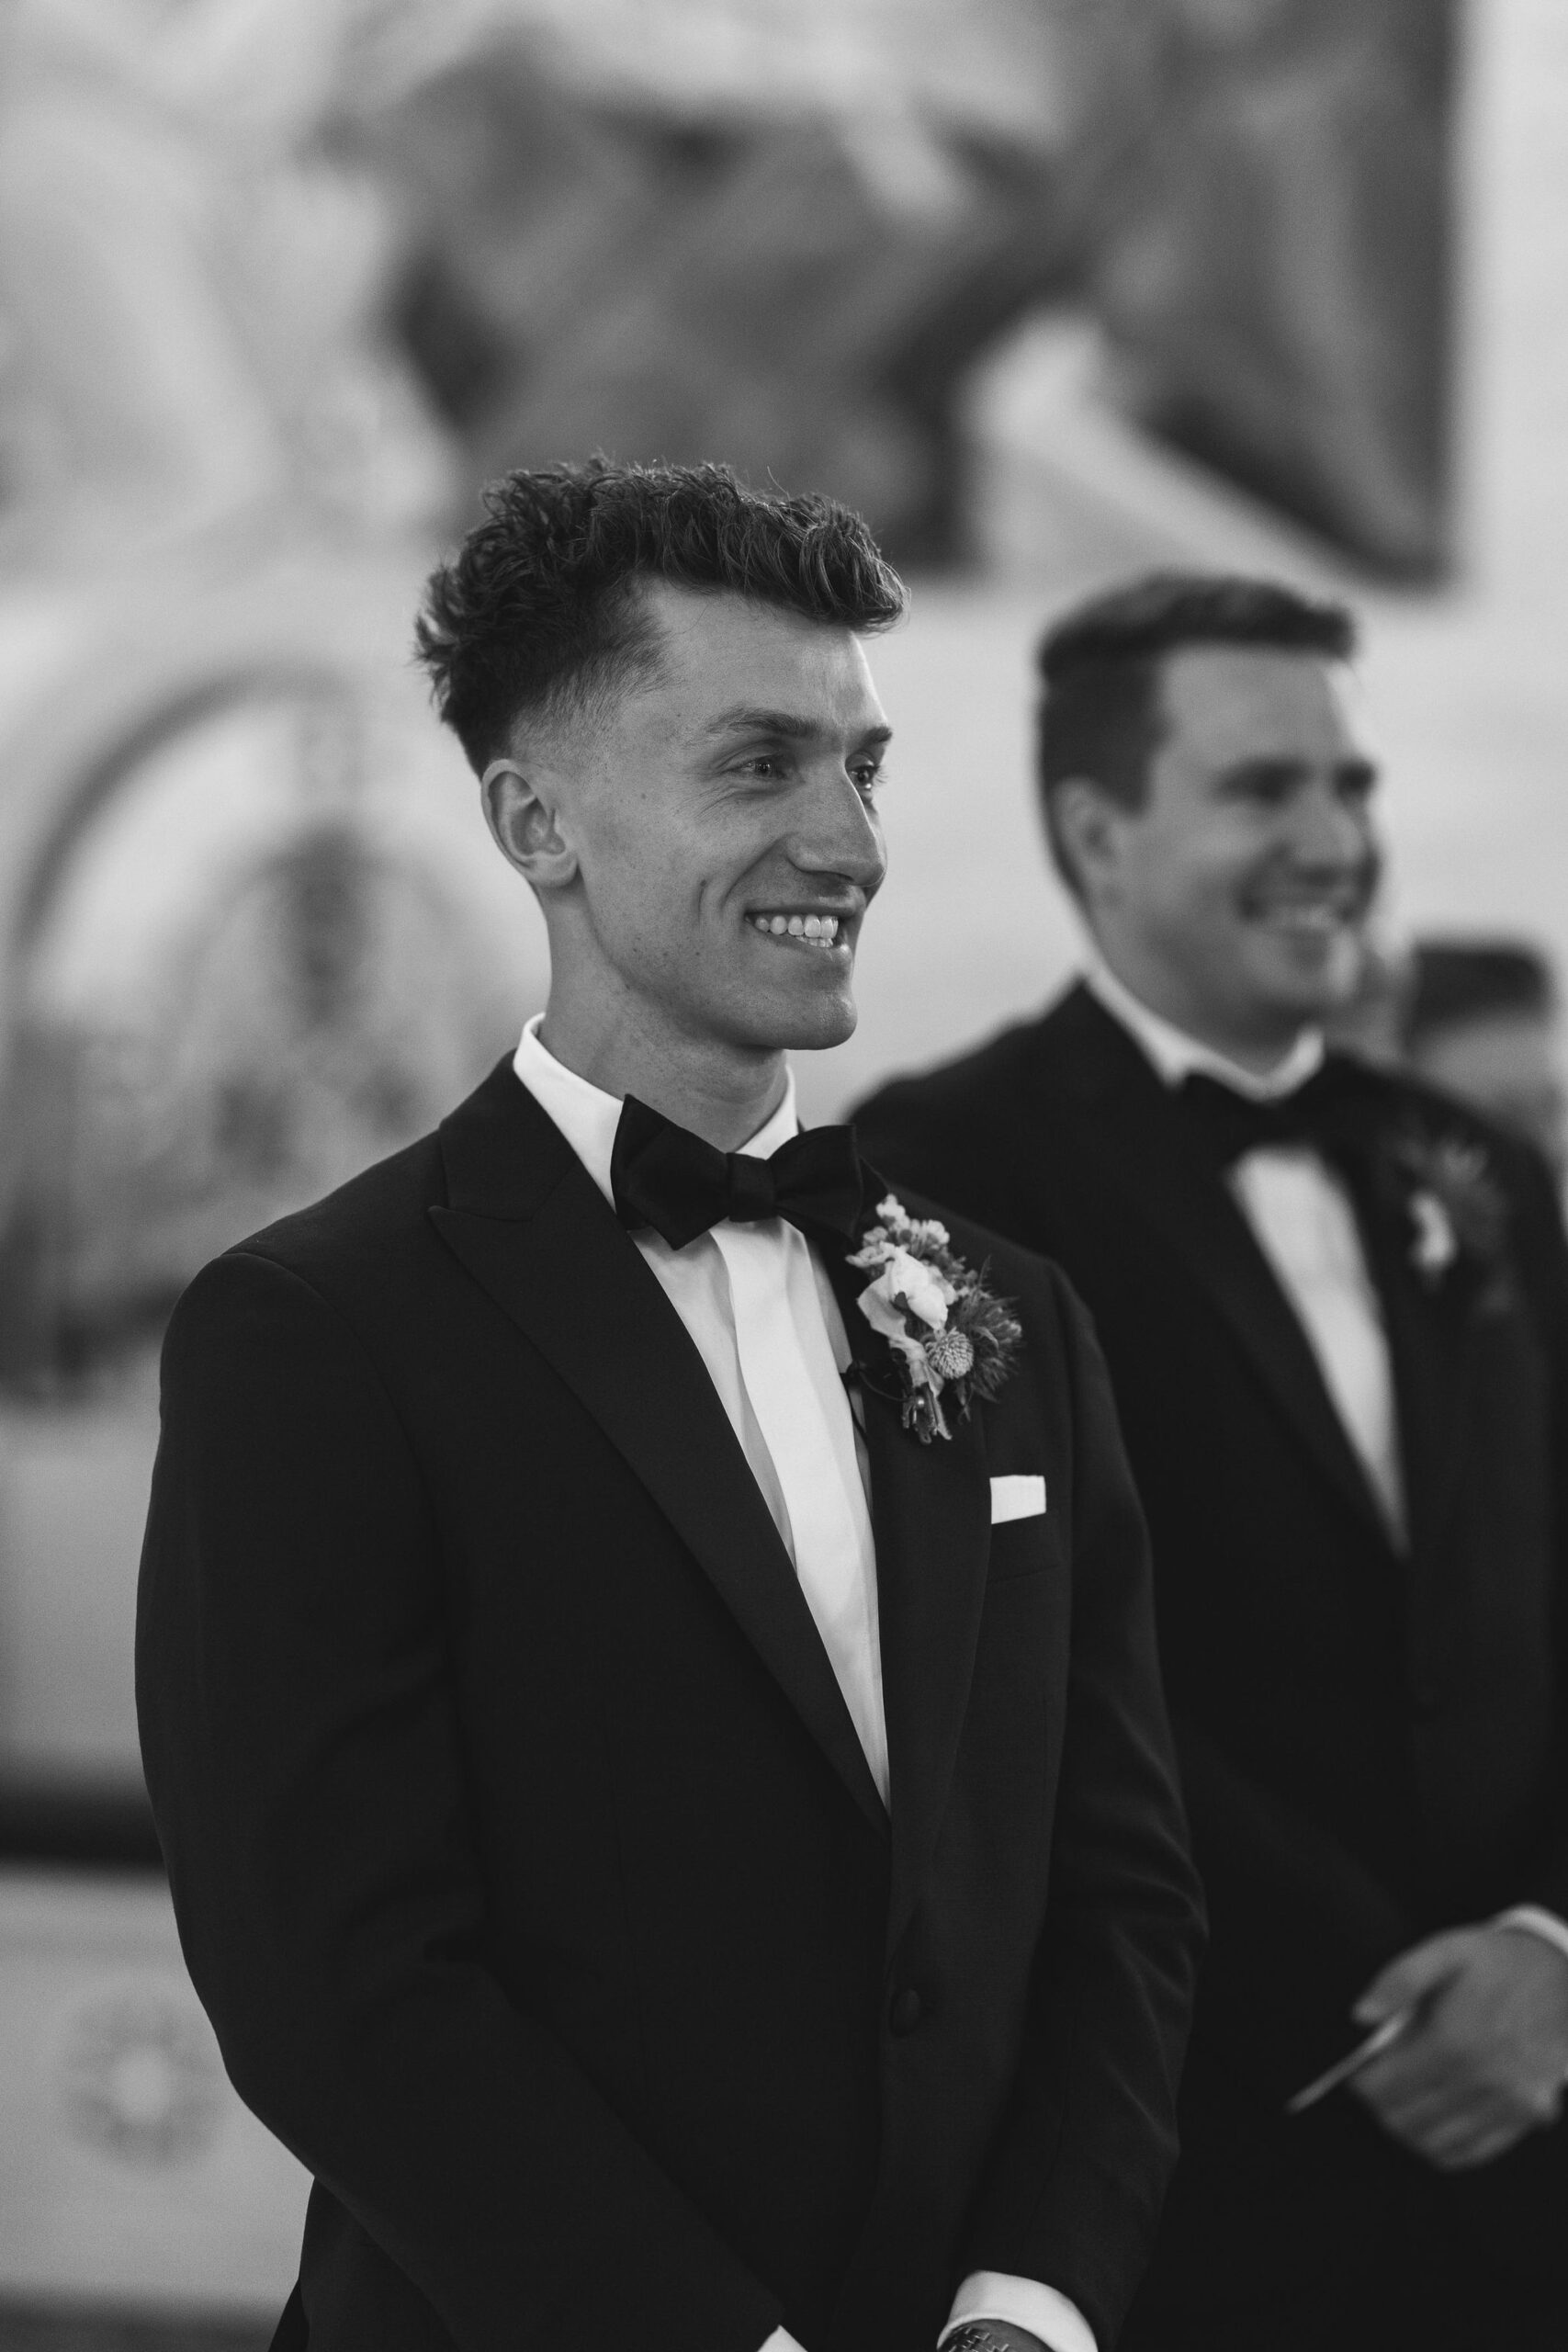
(1310, 981)
(810, 1028)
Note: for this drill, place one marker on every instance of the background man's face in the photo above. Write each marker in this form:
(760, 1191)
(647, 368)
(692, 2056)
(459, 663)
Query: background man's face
(1241, 888)
(727, 841)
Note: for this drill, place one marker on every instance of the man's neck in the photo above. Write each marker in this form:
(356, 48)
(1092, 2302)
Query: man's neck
(1175, 1043)
(1259, 1052)
(724, 1094)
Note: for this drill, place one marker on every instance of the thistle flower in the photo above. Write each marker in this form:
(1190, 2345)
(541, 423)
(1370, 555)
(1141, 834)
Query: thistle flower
(950, 1355)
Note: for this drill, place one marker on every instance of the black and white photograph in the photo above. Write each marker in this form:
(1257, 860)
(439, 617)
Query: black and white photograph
(783, 1155)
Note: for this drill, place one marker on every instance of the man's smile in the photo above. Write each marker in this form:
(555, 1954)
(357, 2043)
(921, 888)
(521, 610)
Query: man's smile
(814, 928)
(1307, 913)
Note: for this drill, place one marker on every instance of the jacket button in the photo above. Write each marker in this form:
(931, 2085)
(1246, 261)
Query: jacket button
(904, 2011)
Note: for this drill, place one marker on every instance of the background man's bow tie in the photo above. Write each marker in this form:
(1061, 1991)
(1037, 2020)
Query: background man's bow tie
(1323, 1113)
(664, 1176)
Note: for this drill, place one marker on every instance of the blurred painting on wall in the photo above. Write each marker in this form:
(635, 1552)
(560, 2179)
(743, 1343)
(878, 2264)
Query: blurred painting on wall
(283, 282)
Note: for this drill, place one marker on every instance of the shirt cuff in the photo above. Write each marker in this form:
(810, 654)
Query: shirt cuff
(1021, 2303)
(1536, 1922)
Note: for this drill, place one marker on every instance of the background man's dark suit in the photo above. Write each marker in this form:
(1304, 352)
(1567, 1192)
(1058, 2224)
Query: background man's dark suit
(1372, 1744)
(524, 1850)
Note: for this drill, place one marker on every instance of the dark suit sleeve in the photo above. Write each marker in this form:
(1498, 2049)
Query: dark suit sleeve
(1542, 1252)
(1300, 1925)
(305, 1769)
(1075, 2194)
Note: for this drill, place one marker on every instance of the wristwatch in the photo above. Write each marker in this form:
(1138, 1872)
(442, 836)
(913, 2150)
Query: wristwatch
(975, 2335)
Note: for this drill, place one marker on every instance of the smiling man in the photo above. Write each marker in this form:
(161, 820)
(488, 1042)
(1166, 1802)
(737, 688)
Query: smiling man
(646, 1662)
(1336, 1311)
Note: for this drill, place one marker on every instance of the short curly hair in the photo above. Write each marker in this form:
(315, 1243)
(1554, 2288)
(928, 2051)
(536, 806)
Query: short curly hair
(537, 612)
(1099, 671)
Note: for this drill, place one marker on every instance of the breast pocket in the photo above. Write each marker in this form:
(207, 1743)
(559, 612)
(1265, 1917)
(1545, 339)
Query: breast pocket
(1020, 1547)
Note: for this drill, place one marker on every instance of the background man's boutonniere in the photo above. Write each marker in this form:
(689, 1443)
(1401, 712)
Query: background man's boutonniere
(949, 1334)
(1458, 1214)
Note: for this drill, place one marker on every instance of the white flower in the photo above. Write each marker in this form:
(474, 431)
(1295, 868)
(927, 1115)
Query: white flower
(1436, 1245)
(907, 1282)
(886, 1318)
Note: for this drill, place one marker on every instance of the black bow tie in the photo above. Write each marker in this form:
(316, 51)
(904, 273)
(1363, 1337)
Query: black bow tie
(1322, 1113)
(663, 1176)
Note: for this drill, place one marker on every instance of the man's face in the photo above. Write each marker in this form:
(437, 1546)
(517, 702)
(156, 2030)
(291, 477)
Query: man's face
(1235, 900)
(726, 836)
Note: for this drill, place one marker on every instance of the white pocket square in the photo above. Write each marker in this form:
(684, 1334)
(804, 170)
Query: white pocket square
(1017, 1498)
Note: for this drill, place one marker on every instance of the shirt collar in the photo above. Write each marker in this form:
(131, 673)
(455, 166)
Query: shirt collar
(588, 1117)
(1176, 1056)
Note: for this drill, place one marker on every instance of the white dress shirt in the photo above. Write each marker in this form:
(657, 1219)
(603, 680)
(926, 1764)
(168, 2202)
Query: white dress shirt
(763, 1318)
(766, 1324)
(1301, 1214)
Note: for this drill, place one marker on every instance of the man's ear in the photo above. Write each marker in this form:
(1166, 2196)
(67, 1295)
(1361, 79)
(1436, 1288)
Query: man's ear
(1089, 826)
(525, 825)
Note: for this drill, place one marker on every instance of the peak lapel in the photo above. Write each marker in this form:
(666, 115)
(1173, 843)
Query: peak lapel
(532, 1228)
(1431, 1349)
(1146, 1154)
(931, 1519)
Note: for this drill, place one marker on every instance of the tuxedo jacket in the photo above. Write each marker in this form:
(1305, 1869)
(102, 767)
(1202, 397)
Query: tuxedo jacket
(523, 1852)
(1372, 1737)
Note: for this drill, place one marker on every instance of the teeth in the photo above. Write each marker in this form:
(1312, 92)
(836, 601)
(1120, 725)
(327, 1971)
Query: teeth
(823, 929)
(1310, 917)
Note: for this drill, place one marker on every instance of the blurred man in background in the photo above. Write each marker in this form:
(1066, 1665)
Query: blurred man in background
(1335, 1309)
(1481, 1021)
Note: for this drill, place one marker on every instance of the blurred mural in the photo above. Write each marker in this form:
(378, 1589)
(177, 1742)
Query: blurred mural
(1048, 289)
(800, 266)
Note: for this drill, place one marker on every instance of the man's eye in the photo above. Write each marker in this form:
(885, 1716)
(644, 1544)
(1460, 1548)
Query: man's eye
(1263, 791)
(866, 775)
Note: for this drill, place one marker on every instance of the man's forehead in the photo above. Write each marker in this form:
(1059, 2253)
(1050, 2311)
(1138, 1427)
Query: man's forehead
(721, 652)
(1257, 698)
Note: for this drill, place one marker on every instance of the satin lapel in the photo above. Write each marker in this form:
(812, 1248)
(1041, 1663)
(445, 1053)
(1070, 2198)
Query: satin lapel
(557, 1263)
(1144, 1153)
(1429, 1348)
(931, 1509)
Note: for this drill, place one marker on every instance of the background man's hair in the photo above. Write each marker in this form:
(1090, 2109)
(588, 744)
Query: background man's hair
(1456, 980)
(1100, 713)
(537, 612)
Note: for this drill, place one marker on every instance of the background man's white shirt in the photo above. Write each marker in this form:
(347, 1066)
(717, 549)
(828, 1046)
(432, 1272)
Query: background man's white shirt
(1300, 1215)
(762, 1314)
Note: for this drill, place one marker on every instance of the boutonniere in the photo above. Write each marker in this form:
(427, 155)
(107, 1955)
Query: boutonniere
(1457, 1214)
(949, 1334)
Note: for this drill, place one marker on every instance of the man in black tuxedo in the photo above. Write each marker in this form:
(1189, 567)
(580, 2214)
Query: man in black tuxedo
(1336, 1311)
(670, 1812)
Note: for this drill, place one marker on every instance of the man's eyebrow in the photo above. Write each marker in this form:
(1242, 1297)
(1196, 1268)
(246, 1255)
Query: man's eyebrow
(751, 718)
(1267, 763)
(1286, 767)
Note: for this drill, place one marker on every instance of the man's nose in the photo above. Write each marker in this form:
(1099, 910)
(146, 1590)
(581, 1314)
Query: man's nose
(839, 833)
(1326, 829)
